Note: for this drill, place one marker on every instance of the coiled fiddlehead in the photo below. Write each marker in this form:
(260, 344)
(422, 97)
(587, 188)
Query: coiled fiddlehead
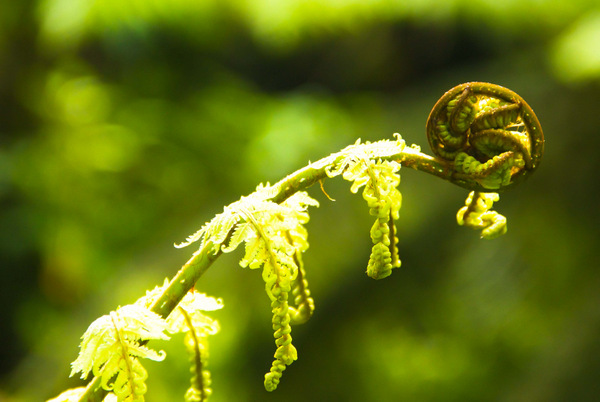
(489, 133)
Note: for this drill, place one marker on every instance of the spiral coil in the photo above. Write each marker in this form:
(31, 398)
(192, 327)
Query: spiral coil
(489, 133)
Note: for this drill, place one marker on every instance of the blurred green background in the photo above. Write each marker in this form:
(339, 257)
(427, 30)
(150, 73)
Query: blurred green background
(126, 124)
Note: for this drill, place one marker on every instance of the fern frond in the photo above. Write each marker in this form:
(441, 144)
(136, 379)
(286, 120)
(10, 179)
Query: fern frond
(110, 348)
(135, 323)
(380, 180)
(477, 214)
(274, 236)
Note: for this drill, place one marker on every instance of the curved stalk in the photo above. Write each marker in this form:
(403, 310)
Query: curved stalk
(502, 127)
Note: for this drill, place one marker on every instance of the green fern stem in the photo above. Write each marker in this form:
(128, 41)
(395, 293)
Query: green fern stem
(184, 280)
